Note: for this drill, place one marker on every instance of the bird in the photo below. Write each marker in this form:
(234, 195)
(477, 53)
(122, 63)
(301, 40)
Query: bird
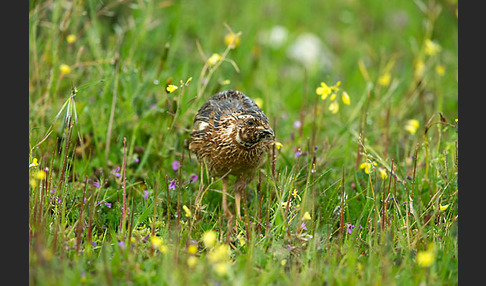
(231, 136)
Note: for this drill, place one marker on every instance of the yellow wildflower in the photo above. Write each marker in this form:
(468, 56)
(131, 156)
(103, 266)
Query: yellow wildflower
(241, 238)
(278, 145)
(171, 88)
(219, 253)
(334, 107)
(431, 48)
(412, 125)
(192, 249)
(209, 238)
(383, 173)
(306, 216)
(71, 38)
(333, 96)
(345, 98)
(367, 166)
(323, 90)
(283, 262)
(425, 258)
(214, 59)
(191, 261)
(384, 79)
(163, 249)
(65, 69)
(156, 242)
(419, 68)
(232, 40)
(221, 268)
(443, 207)
(34, 163)
(440, 70)
(39, 175)
(187, 211)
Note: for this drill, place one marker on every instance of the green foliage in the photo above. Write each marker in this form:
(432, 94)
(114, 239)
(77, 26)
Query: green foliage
(362, 193)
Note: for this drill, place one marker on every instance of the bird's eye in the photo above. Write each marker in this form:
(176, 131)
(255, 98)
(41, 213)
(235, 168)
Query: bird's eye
(250, 122)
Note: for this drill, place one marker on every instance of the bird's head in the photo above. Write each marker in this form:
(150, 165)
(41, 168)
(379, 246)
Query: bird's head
(251, 130)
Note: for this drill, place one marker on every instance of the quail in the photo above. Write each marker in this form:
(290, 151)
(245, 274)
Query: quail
(231, 136)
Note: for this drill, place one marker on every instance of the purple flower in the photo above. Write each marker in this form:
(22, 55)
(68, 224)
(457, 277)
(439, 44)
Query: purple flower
(298, 153)
(116, 171)
(350, 227)
(172, 184)
(302, 226)
(175, 165)
(121, 244)
(96, 184)
(145, 194)
(93, 243)
(193, 178)
(297, 124)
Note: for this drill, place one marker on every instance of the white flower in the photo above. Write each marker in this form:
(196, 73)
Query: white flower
(275, 37)
(309, 50)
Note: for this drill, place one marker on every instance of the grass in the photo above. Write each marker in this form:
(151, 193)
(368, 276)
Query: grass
(350, 198)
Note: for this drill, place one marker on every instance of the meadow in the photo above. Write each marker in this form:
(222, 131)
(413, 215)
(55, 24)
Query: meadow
(359, 189)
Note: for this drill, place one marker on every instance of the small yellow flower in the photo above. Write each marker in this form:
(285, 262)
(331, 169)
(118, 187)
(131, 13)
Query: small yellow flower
(187, 211)
(40, 175)
(323, 90)
(259, 102)
(192, 249)
(278, 145)
(284, 204)
(163, 249)
(412, 125)
(171, 88)
(383, 173)
(241, 238)
(221, 268)
(65, 69)
(334, 107)
(295, 194)
(333, 96)
(283, 262)
(443, 207)
(214, 59)
(345, 98)
(226, 82)
(34, 163)
(367, 166)
(427, 257)
(219, 253)
(440, 70)
(232, 40)
(306, 216)
(71, 38)
(384, 80)
(419, 68)
(209, 238)
(156, 242)
(431, 48)
(191, 261)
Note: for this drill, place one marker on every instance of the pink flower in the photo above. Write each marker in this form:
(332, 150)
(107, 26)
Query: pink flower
(175, 165)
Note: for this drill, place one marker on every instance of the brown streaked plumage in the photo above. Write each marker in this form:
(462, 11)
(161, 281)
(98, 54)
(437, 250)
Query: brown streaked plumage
(231, 135)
